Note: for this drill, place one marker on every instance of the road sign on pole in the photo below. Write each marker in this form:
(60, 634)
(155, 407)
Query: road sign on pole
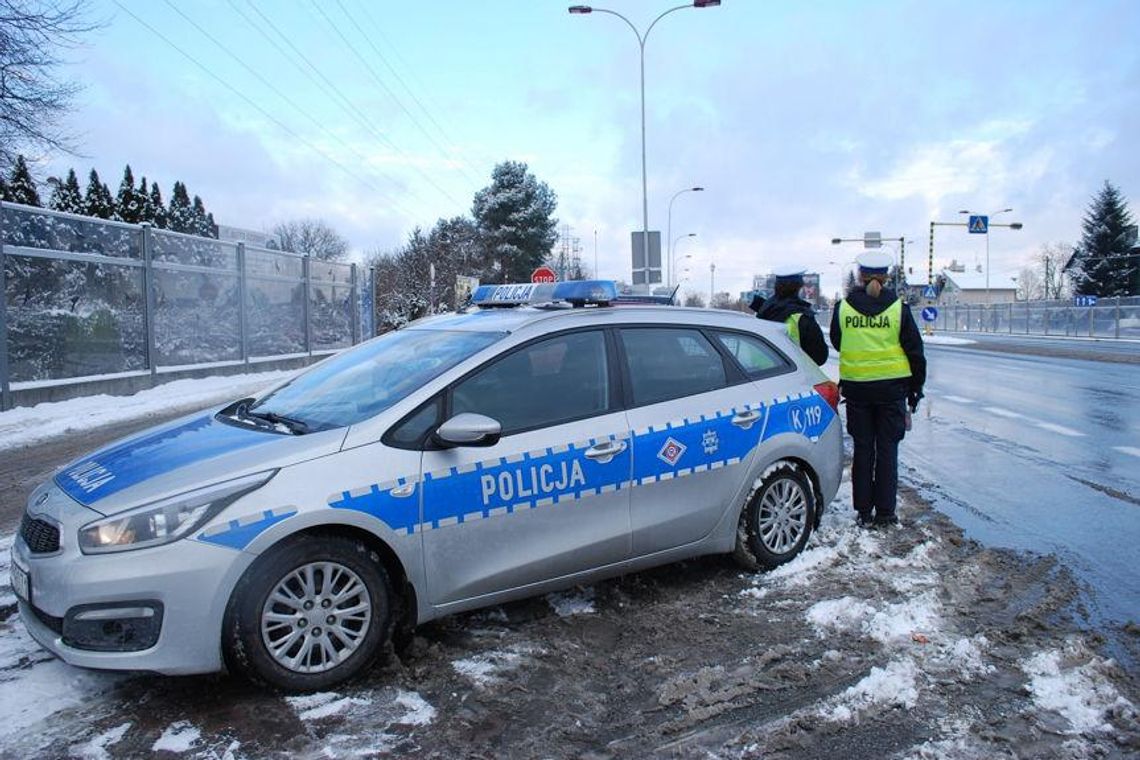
(543, 274)
(872, 240)
(979, 224)
(929, 314)
(929, 292)
(1084, 300)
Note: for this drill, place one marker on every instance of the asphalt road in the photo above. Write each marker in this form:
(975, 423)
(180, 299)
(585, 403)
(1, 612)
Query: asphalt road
(1039, 453)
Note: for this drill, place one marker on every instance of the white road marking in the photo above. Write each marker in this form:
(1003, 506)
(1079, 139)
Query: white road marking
(1128, 450)
(959, 399)
(1060, 429)
(1004, 412)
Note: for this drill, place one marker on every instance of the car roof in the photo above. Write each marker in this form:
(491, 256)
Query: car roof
(513, 319)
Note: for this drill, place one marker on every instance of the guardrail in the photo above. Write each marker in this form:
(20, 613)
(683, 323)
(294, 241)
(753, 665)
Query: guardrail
(1117, 317)
(88, 299)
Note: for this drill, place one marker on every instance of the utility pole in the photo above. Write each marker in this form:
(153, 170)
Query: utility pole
(712, 283)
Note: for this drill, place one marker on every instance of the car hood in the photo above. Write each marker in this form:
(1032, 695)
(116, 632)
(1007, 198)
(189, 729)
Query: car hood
(180, 456)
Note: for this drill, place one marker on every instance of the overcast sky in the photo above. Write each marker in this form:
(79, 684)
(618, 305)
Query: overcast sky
(804, 120)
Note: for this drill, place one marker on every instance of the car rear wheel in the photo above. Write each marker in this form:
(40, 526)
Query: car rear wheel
(309, 613)
(777, 520)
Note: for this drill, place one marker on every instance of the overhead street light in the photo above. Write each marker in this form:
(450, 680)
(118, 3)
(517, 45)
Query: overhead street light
(641, 38)
(673, 250)
(669, 225)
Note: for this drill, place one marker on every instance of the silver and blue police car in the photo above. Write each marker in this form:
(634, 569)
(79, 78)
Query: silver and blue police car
(462, 461)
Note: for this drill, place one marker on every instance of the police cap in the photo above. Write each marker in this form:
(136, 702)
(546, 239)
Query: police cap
(872, 263)
(789, 274)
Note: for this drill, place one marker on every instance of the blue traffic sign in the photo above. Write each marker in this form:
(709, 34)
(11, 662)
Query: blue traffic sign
(979, 223)
(929, 292)
(1084, 300)
(929, 314)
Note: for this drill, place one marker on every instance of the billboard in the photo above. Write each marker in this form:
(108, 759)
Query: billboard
(645, 274)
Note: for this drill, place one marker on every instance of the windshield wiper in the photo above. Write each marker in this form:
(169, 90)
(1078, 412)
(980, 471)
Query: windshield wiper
(296, 427)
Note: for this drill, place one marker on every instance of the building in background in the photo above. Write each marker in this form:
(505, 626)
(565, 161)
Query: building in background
(764, 285)
(960, 285)
(249, 237)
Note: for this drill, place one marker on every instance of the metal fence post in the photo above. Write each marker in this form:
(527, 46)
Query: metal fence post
(308, 316)
(1011, 317)
(243, 319)
(354, 307)
(1092, 311)
(1117, 331)
(5, 389)
(148, 301)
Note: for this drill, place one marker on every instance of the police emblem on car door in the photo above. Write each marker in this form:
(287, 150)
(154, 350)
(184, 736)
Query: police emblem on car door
(551, 497)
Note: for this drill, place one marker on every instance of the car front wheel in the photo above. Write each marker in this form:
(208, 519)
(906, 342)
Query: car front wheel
(777, 520)
(309, 613)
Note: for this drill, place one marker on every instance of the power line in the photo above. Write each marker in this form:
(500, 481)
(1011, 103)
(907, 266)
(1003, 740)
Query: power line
(361, 118)
(251, 103)
(288, 100)
(462, 167)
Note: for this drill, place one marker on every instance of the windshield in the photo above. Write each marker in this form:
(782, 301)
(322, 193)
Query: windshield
(367, 380)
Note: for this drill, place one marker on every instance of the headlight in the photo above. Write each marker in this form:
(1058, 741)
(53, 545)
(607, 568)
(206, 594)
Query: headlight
(167, 520)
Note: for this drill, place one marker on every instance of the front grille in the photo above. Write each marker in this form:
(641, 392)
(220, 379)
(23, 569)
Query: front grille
(41, 536)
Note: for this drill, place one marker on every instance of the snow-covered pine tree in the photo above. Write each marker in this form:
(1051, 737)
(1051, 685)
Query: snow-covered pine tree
(1103, 263)
(21, 186)
(146, 207)
(180, 214)
(514, 218)
(97, 201)
(3, 189)
(67, 196)
(211, 226)
(128, 205)
(199, 225)
(157, 208)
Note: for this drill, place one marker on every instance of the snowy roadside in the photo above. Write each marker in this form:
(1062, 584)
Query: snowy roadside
(913, 643)
(29, 424)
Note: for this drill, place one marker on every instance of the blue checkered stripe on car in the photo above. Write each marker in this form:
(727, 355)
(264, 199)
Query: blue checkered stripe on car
(237, 534)
(531, 480)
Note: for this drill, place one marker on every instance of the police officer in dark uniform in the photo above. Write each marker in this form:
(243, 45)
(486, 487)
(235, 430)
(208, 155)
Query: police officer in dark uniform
(882, 369)
(787, 307)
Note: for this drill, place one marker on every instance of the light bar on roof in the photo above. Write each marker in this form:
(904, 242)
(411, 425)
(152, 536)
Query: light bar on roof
(586, 292)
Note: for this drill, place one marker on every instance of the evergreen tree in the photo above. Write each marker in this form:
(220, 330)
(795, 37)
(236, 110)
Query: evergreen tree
(211, 226)
(180, 214)
(146, 206)
(514, 218)
(98, 201)
(67, 196)
(157, 208)
(3, 189)
(128, 205)
(1103, 264)
(199, 225)
(21, 186)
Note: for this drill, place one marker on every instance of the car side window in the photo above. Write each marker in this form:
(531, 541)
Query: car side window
(411, 431)
(668, 363)
(756, 357)
(556, 380)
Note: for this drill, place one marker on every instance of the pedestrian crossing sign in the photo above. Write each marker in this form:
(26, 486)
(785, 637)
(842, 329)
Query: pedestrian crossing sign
(929, 292)
(979, 223)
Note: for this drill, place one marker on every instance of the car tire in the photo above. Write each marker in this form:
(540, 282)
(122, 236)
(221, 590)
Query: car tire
(776, 521)
(309, 613)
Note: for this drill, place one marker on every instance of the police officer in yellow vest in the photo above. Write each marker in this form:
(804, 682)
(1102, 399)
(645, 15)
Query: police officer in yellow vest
(786, 306)
(882, 369)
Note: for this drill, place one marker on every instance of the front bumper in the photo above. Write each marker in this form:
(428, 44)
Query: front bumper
(187, 582)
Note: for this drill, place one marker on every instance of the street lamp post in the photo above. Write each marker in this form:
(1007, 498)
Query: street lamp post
(669, 226)
(641, 38)
(673, 251)
(1015, 226)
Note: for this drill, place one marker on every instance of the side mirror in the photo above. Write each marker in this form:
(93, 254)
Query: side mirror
(467, 429)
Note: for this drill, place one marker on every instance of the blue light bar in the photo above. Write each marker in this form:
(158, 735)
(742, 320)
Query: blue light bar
(586, 292)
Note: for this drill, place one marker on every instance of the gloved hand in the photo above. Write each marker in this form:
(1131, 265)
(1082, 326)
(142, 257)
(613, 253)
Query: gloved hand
(912, 400)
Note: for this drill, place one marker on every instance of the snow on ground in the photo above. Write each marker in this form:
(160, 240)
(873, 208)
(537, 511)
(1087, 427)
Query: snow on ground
(489, 668)
(96, 747)
(946, 340)
(578, 601)
(323, 704)
(1078, 692)
(28, 424)
(178, 737)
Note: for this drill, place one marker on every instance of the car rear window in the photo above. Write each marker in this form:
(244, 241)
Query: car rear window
(668, 363)
(755, 355)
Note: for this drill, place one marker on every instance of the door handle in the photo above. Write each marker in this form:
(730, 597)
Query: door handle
(746, 419)
(604, 452)
(401, 492)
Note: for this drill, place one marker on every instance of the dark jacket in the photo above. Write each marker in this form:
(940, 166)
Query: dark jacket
(811, 336)
(911, 340)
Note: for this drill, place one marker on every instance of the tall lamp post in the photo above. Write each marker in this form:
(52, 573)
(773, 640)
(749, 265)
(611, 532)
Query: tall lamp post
(641, 38)
(673, 251)
(1015, 226)
(669, 225)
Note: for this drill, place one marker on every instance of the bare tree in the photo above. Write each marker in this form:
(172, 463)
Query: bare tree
(1030, 287)
(33, 97)
(314, 237)
(693, 298)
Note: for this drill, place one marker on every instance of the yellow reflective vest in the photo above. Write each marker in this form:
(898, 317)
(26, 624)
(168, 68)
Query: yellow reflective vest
(869, 345)
(793, 323)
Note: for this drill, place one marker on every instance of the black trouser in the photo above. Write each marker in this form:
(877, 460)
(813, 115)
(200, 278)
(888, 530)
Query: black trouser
(876, 429)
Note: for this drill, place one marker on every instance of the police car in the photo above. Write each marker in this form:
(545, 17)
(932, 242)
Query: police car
(538, 441)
